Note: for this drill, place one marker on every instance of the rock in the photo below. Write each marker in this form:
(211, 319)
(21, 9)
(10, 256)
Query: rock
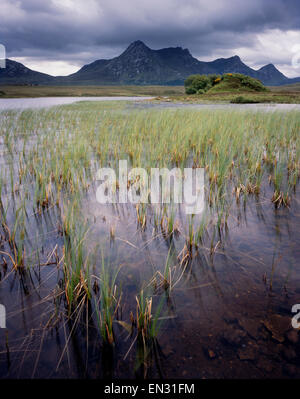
(263, 348)
(289, 353)
(278, 349)
(290, 370)
(230, 318)
(247, 353)
(292, 336)
(277, 325)
(265, 365)
(209, 352)
(233, 337)
(250, 326)
(168, 351)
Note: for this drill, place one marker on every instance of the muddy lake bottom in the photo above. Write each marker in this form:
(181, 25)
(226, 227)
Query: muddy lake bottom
(222, 321)
(229, 316)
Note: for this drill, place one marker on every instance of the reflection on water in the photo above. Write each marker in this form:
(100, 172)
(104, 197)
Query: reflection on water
(228, 315)
(226, 311)
(221, 311)
(22, 103)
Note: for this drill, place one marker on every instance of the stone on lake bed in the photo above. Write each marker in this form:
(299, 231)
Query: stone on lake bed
(290, 370)
(289, 353)
(277, 325)
(209, 353)
(233, 337)
(250, 326)
(265, 365)
(248, 353)
(292, 336)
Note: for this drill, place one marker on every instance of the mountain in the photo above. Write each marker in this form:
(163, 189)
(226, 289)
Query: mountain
(140, 65)
(17, 73)
(232, 64)
(270, 74)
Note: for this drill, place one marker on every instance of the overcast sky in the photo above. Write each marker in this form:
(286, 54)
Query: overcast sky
(59, 36)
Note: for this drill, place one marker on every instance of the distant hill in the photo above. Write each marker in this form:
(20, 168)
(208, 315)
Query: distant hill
(292, 87)
(140, 65)
(17, 73)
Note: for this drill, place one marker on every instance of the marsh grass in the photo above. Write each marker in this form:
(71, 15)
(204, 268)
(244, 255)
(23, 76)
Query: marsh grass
(147, 325)
(49, 160)
(108, 304)
(239, 152)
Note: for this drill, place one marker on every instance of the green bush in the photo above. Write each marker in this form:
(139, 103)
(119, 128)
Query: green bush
(247, 81)
(199, 84)
(190, 90)
(243, 100)
(214, 79)
(254, 84)
(194, 83)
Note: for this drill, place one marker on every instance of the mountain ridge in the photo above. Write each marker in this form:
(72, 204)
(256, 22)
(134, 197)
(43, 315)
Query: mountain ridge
(138, 64)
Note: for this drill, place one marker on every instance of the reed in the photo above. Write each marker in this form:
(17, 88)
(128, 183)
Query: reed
(49, 160)
(76, 268)
(109, 302)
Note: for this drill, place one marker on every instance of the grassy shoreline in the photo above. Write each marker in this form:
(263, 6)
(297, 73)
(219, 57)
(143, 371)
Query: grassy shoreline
(276, 95)
(270, 97)
(88, 91)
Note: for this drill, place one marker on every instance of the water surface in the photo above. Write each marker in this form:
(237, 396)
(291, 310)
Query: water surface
(229, 315)
(41, 102)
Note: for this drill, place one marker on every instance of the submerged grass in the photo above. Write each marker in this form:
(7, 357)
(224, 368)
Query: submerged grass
(109, 302)
(52, 155)
(49, 159)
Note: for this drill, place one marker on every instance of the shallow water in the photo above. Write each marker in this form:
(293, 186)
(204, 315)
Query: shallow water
(218, 318)
(222, 316)
(227, 316)
(42, 102)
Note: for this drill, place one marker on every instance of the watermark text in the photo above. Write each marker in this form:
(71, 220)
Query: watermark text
(163, 186)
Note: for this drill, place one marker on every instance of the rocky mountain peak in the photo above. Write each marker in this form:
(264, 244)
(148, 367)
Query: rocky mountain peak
(137, 46)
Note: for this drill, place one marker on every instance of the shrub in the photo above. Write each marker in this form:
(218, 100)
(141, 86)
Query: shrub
(214, 79)
(190, 90)
(254, 84)
(232, 81)
(243, 100)
(244, 80)
(194, 83)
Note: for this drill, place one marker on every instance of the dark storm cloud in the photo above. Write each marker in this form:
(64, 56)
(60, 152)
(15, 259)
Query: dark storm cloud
(83, 30)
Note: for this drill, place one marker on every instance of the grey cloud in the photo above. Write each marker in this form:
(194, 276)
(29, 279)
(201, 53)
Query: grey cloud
(91, 29)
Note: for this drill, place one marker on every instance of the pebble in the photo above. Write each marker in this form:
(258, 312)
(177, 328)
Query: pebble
(247, 353)
(292, 336)
(277, 325)
(290, 369)
(289, 353)
(233, 337)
